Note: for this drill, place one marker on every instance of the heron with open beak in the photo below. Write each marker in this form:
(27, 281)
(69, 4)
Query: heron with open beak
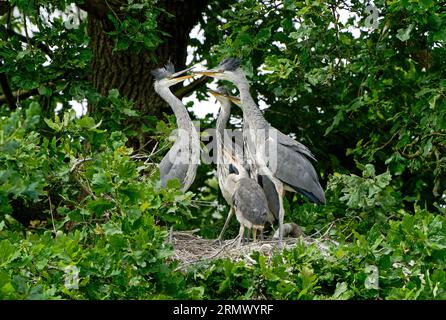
(288, 167)
(230, 156)
(182, 160)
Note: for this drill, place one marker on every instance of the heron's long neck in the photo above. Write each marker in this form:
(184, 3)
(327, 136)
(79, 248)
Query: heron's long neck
(251, 111)
(178, 108)
(222, 120)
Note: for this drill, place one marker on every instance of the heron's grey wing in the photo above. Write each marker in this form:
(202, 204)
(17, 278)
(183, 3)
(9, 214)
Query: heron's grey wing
(176, 169)
(295, 170)
(299, 147)
(271, 194)
(165, 166)
(250, 200)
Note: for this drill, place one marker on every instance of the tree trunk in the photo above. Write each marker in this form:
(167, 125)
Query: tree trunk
(129, 72)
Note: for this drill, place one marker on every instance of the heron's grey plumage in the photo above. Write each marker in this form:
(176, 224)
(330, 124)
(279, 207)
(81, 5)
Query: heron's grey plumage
(250, 202)
(271, 194)
(296, 171)
(292, 169)
(229, 155)
(223, 170)
(229, 64)
(231, 163)
(182, 160)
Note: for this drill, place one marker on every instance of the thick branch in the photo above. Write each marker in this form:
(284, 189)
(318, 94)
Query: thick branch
(7, 93)
(22, 95)
(4, 7)
(99, 8)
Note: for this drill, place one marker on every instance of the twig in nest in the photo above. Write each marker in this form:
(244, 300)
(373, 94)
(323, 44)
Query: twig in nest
(207, 258)
(78, 162)
(187, 232)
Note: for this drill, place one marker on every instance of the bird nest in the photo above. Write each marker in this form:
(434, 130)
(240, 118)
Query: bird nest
(190, 249)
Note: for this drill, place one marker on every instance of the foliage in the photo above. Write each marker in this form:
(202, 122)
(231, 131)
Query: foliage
(83, 216)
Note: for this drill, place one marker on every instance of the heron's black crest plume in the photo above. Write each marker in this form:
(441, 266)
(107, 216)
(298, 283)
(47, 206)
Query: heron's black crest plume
(229, 64)
(166, 71)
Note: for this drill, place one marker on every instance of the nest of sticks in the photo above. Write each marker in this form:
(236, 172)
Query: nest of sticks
(191, 249)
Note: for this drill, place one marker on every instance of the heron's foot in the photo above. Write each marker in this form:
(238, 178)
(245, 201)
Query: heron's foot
(239, 242)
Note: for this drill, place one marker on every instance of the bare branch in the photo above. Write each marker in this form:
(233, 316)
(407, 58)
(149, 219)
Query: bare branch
(78, 162)
(22, 95)
(7, 93)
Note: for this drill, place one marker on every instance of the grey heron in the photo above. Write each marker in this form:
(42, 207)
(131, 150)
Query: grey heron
(249, 203)
(289, 167)
(182, 160)
(230, 156)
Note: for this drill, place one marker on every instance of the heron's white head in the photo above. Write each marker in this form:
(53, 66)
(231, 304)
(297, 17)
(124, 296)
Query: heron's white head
(166, 77)
(228, 69)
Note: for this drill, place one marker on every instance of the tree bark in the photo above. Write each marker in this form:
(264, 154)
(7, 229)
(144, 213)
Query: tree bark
(129, 72)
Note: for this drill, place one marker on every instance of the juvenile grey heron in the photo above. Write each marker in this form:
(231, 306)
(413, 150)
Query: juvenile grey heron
(292, 169)
(227, 155)
(182, 160)
(230, 156)
(249, 202)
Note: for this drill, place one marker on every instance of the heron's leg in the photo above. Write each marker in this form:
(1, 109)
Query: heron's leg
(263, 168)
(279, 188)
(228, 219)
(254, 233)
(241, 234)
(280, 192)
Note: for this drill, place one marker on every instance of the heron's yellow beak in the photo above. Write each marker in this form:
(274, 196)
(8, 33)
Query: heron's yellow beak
(231, 98)
(214, 93)
(180, 79)
(234, 100)
(208, 73)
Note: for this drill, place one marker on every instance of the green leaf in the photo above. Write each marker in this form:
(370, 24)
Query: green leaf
(404, 34)
(45, 91)
(99, 206)
(372, 279)
(7, 252)
(101, 182)
(264, 35)
(55, 126)
(341, 292)
(337, 119)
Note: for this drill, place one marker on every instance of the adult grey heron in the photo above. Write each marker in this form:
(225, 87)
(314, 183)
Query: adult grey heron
(249, 203)
(230, 157)
(288, 166)
(182, 160)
